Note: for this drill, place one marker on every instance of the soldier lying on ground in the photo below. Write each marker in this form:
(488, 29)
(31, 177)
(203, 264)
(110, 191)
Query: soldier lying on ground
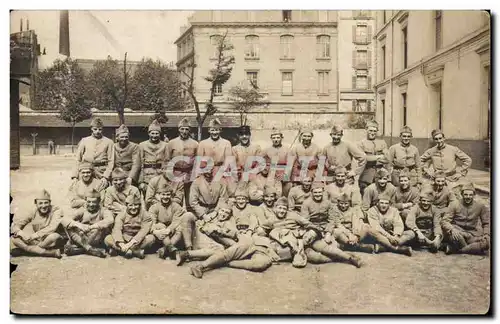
(86, 181)
(221, 227)
(116, 195)
(466, 224)
(424, 221)
(87, 227)
(130, 235)
(172, 225)
(36, 231)
(406, 196)
(373, 191)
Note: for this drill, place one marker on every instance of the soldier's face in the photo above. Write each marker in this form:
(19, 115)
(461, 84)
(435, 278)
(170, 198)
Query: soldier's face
(404, 182)
(336, 137)
(382, 181)
(317, 194)
(277, 139)
(265, 171)
(208, 175)
(244, 138)
(86, 175)
(96, 132)
(92, 204)
(224, 214)
(343, 205)
(119, 183)
(270, 199)
(306, 138)
(214, 132)
(123, 139)
(340, 178)
(468, 196)
(425, 203)
(43, 206)
(440, 182)
(281, 211)
(439, 140)
(165, 197)
(306, 183)
(154, 136)
(383, 205)
(371, 133)
(241, 202)
(184, 132)
(405, 138)
(133, 209)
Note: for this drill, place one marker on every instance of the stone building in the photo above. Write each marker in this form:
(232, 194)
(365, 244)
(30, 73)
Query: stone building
(433, 71)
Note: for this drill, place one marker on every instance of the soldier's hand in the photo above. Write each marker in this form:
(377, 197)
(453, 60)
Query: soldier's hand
(353, 239)
(455, 235)
(129, 180)
(351, 174)
(85, 228)
(122, 246)
(421, 238)
(393, 240)
(23, 236)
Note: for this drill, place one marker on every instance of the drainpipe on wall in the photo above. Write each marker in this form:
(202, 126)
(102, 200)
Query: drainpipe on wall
(392, 80)
(337, 63)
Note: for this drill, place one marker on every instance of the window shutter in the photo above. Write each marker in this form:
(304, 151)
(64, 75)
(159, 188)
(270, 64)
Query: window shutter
(354, 53)
(369, 83)
(354, 82)
(369, 58)
(354, 105)
(369, 105)
(354, 34)
(370, 34)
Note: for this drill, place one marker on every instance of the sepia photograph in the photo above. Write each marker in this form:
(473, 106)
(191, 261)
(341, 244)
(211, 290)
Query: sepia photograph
(273, 162)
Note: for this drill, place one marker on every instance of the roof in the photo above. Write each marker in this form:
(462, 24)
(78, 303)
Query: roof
(110, 119)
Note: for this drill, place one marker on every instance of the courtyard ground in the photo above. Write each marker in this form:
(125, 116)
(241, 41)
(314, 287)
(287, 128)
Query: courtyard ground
(387, 284)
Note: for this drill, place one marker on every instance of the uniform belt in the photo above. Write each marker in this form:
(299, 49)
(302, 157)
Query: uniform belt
(122, 164)
(207, 205)
(347, 167)
(152, 165)
(373, 164)
(99, 163)
(183, 169)
(411, 167)
(450, 173)
(218, 163)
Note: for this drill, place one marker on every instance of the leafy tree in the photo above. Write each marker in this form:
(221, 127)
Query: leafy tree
(243, 99)
(218, 75)
(62, 87)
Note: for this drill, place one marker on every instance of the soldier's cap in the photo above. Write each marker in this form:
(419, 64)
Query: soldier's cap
(406, 129)
(307, 131)
(268, 190)
(92, 193)
(427, 193)
(317, 185)
(240, 192)
(164, 188)
(122, 130)
(154, 126)
(118, 173)
(184, 122)
(404, 173)
(282, 201)
(340, 169)
(275, 131)
(371, 123)
(439, 174)
(384, 196)
(133, 199)
(344, 197)
(436, 132)
(42, 195)
(337, 129)
(244, 130)
(224, 205)
(382, 172)
(215, 123)
(96, 122)
(85, 166)
(469, 187)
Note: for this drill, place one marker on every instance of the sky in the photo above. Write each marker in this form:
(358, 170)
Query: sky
(96, 34)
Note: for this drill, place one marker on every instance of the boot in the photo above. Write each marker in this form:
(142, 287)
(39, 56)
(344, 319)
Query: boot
(112, 252)
(161, 253)
(71, 249)
(196, 271)
(97, 252)
(355, 261)
(299, 258)
(128, 254)
(54, 253)
(406, 250)
(181, 257)
(139, 253)
(367, 248)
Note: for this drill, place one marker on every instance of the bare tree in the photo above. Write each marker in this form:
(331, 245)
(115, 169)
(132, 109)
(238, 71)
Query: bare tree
(243, 99)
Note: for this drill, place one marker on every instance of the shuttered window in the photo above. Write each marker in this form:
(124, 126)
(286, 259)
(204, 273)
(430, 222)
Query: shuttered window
(287, 83)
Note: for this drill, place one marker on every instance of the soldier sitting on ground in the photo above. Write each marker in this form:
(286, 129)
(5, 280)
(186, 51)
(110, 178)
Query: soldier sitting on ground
(160, 181)
(130, 235)
(221, 227)
(258, 183)
(172, 225)
(373, 191)
(36, 231)
(424, 222)
(385, 219)
(406, 196)
(116, 195)
(266, 210)
(86, 181)
(443, 195)
(339, 186)
(466, 224)
(87, 227)
(298, 194)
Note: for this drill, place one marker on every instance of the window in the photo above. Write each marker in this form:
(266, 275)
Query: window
(252, 77)
(361, 59)
(286, 42)
(361, 34)
(287, 83)
(287, 15)
(405, 111)
(405, 47)
(383, 116)
(218, 89)
(383, 62)
(359, 105)
(323, 78)
(252, 50)
(323, 45)
(214, 41)
(361, 82)
(439, 39)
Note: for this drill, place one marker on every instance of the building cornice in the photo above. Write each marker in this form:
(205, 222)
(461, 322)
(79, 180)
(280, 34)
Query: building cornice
(245, 24)
(187, 31)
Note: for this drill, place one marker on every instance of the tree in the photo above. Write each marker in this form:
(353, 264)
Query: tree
(107, 86)
(243, 99)
(155, 87)
(62, 87)
(218, 75)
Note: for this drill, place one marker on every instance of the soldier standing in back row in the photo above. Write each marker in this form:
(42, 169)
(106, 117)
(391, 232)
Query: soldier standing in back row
(127, 155)
(405, 155)
(277, 154)
(244, 150)
(305, 149)
(153, 155)
(96, 149)
(376, 155)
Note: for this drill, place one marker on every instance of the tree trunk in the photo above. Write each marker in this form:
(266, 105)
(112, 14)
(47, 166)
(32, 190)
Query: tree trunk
(200, 130)
(73, 137)
(121, 115)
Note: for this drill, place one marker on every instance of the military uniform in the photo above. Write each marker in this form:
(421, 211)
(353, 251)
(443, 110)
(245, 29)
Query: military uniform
(296, 197)
(278, 156)
(386, 223)
(298, 151)
(242, 152)
(352, 190)
(428, 222)
(222, 231)
(153, 156)
(205, 196)
(79, 188)
(160, 181)
(257, 186)
(372, 193)
(411, 195)
(97, 151)
(320, 213)
(114, 200)
(405, 157)
(129, 157)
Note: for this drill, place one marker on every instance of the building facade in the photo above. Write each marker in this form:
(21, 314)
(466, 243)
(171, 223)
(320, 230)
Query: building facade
(433, 71)
(292, 55)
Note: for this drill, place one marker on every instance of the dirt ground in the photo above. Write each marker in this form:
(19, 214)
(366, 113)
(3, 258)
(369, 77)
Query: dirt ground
(387, 284)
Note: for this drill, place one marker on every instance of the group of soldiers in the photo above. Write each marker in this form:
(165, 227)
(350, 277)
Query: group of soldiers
(375, 199)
